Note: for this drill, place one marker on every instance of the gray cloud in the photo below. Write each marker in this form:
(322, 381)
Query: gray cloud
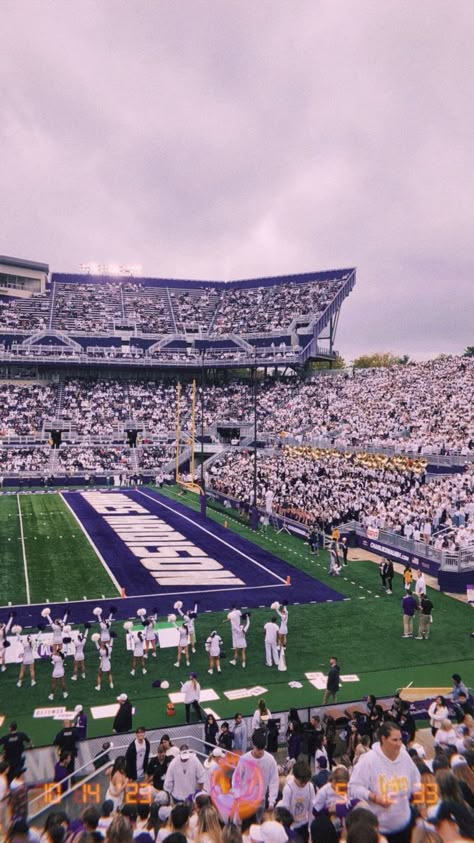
(227, 140)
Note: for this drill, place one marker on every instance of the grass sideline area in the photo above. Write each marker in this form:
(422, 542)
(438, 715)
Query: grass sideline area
(363, 631)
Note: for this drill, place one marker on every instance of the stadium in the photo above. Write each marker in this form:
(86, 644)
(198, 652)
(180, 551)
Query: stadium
(171, 445)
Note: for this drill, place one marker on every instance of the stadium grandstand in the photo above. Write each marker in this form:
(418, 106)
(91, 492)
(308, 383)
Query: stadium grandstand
(169, 455)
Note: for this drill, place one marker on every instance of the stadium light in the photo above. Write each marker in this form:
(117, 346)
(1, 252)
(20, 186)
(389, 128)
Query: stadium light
(126, 270)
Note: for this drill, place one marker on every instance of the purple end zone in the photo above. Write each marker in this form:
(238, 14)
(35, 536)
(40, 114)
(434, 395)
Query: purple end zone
(260, 577)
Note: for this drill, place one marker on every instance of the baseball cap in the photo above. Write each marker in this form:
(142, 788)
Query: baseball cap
(122, 698)
(184, 753)
(269, 832)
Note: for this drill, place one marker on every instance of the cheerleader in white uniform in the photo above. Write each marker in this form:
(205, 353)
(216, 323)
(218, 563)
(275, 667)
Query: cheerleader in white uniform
(138, 652)
(57, 627)
(213, 647)
(282, 611)
(239, 638)
(183, 641)
(4, 643)
(104, 625)
(149, 631)
(27, 658)
(105, 665)
(189, 618)
(57, 660)
(79, 658)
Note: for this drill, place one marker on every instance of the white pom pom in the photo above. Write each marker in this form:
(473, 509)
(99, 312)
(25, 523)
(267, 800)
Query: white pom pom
(128, 625)
(275, 606)
(16, 629)
(67, 628)
(95, 637)
(178, 604)
(165, 684)
(46, 613)
(171, 618)
(97, 611)
(141, 613)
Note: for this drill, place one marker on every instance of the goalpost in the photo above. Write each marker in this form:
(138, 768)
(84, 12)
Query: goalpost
(189, 485)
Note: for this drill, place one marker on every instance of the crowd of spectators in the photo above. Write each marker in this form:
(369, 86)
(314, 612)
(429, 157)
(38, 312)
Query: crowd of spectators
(76, 459)
(262, 309)
(24, 407)
(327, 783)
(419, 408)
(328, 488)
(151, 309)
(16, 460)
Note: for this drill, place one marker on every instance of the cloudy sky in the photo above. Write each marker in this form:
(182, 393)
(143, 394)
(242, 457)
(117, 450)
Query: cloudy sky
(233, 139)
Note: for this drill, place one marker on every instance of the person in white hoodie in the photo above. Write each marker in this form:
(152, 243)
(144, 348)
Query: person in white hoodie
(387, 778)
(184, 775)
(297, 798)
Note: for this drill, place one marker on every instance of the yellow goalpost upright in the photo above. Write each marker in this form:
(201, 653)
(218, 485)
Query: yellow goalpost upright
(190, 486)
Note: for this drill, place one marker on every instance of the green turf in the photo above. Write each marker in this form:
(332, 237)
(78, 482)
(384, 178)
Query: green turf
(60, 561)
(12, 577)
(364, 632)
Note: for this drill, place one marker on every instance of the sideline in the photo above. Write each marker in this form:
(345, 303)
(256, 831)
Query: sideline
(25, 564)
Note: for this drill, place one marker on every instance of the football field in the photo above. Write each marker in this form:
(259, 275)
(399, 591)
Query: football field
(52, 553)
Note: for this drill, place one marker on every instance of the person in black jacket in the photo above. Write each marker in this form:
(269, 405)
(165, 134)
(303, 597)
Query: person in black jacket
(13, 746)
(123, 718)
(332, 685)
(157, 767)
(66, 741)
(137, 756)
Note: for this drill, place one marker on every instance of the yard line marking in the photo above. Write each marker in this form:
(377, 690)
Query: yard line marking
(104, 563)
(210, 533)
(25, 565)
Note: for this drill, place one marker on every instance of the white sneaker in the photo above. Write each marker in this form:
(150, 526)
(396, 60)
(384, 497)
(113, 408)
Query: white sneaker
(18, 684)
(143, 671)
(193, 650)
(210, 671)
(83, 675)
(154, 654)
(243, 664)
(33, 683)
(3, 668)
(111, 686)
(176, 664)
(50, 696)
(97, 687)
(132, 673)
(232, 661)
(145, 656)
(73, 678)
(218, 670)
(65, 695)
(188, 664)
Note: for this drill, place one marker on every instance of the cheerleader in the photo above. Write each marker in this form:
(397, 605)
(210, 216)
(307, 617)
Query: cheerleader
(105, 665)
(282, 611)
(138, 652)
(183, 641)
(79, 658)
(57, 628)
(4, 643)
(104, 625)
(239, 636)
(189, 618)
(57, 660)
(27, 657)
(150, 636)
(213, 647)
